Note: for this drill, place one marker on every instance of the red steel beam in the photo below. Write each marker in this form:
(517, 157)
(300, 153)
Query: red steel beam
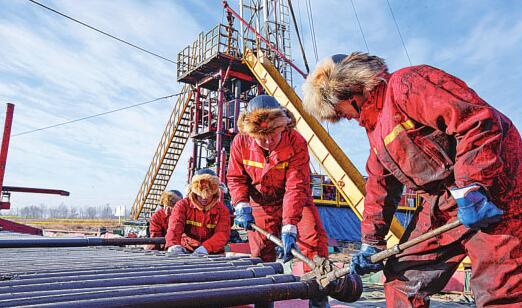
(5, 141)
(35, 190)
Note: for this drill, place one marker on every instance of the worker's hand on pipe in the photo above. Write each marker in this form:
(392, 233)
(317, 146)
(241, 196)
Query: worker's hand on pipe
(176, 250)
(244, 218)
(288, 237)
(361, 263)
(475, 211)
(200, 251)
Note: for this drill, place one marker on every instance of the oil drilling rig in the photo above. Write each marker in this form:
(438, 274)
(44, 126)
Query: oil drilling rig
(222, 70)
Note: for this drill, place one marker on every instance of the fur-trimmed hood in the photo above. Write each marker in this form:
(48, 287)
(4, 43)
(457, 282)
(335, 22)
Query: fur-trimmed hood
(330, 83)
(262, 122)
(168, 199)
(204, 185)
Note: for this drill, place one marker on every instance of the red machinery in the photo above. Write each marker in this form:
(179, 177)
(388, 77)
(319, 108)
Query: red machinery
(5, 191)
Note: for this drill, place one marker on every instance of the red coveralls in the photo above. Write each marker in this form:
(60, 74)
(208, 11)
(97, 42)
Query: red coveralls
(159, 223)
(430, 132)
(191, 227)
(278, 189)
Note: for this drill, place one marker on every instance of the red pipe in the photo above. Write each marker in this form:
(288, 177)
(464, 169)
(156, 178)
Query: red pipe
(5, 141)
(219, 129)
(280, 54)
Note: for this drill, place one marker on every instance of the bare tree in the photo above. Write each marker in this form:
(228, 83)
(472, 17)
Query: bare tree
(106, 211)
(73, 212)
(63, 211)
(91, 212)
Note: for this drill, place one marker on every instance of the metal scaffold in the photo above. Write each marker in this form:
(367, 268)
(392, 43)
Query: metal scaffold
(217, 86)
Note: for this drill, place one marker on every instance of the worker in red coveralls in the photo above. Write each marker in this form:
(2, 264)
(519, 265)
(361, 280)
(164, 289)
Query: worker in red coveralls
(430, 132)
(159, 221)
(269, 181)
(200, 223)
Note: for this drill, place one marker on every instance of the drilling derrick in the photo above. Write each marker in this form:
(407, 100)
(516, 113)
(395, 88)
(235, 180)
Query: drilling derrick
(217, 86)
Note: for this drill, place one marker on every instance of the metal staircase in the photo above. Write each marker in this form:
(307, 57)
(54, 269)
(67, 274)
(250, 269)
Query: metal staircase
(333, 160)
(168, 153)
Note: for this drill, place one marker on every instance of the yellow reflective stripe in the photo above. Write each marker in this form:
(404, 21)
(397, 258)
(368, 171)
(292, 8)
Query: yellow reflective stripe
(408, 124)
(282, 165)
(194, 223)
(375, 150)
(198, 224)
(253, 163)
(397, 130)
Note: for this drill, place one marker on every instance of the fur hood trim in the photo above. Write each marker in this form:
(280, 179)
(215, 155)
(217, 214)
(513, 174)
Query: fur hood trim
(204, 185)
(262, 122)
(168, 199)
(316, 88)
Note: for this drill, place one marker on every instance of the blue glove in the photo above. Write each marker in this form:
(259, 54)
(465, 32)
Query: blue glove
(474, 209)
(244, 216)
(200, 251)
(361, 263)
(288, 237)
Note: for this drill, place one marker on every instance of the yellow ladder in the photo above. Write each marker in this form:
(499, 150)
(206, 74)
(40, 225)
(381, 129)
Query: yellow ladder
(334, 162)
(166, 157)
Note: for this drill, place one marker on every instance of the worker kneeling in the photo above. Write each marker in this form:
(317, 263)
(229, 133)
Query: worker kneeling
(159, 221)
(200, 223)
(269, 181)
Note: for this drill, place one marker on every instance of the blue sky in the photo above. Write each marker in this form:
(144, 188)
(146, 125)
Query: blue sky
(54, 70)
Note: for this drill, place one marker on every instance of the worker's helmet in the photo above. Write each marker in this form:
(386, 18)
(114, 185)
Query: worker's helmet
(204, 183)
(264, 116)
(339, 78)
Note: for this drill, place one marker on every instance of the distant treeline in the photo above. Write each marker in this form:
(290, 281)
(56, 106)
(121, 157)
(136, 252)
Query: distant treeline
(62, 211)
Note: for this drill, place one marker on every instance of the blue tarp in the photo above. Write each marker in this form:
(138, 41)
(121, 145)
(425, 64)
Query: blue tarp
(404, 217)
(340, 223)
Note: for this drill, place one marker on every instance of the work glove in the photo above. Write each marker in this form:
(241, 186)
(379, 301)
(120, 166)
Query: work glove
(475, 211)
(176, 250)
(244, 218)
(288, 237)
(361, 263)
(200, 251)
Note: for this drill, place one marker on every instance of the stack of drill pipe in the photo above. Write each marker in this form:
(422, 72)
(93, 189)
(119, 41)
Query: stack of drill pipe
(116, 277)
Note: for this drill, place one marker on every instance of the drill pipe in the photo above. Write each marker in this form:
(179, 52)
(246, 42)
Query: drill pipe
(37, 298)
(77, 242)
(129, 275)
(15, 267)
(154, 268)
(205, 298)
(254, 271)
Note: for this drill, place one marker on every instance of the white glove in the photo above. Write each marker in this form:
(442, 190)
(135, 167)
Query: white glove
(201, 250)
(177, 250)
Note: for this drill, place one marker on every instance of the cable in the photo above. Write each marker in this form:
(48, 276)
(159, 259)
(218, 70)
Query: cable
(400, 35)
(299, 37)
(102, 32)
(312, 30)
(360, 27)
(96, 115)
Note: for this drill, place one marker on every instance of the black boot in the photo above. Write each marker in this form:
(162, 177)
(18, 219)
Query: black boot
(319, 302)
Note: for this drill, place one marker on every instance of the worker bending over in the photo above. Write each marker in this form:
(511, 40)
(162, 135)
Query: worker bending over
(159, 221)
(269, 181)
(200, 223)
(433, 134)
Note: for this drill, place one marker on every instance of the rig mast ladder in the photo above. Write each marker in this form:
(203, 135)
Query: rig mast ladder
(334, 162)
(168, 153)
